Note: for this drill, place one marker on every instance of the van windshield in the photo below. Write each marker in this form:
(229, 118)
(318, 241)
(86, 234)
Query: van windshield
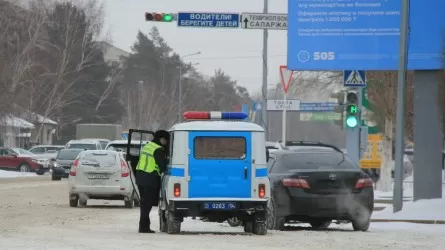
(101, 158)
(207, 147)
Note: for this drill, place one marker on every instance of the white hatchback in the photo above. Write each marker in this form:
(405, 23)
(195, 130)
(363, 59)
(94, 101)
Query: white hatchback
(101, 174)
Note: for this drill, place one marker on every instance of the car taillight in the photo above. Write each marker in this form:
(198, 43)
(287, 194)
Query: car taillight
(125, 172)
(74, 167)
(261, 190)
(177, 190)
(364, 182)
(294, 182)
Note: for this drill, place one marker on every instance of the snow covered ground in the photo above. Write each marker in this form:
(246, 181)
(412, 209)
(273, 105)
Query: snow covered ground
(36, 215)
(14, 174)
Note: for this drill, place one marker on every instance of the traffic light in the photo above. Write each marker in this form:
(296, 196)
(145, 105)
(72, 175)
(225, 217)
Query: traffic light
(352, 112)
(159, 17)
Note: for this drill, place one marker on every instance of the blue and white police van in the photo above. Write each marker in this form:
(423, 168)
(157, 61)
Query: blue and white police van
(217, 170)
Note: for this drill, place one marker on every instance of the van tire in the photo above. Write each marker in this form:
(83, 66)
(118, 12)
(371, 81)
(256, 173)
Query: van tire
(74, 202)
(173, 226)
(248, 226)
(129, 204)
(162, 221)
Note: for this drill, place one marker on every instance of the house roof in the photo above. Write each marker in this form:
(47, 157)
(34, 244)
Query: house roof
(15, 122)
(39, 119)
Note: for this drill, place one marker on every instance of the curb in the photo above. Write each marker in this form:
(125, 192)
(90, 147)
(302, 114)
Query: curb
(431, 222)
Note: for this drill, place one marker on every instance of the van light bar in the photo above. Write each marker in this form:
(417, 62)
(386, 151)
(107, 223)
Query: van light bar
(214, 115)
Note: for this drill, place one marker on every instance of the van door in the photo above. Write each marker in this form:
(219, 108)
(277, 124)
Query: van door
(220, 164)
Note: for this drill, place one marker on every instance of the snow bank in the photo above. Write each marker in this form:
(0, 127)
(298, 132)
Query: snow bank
(13, 174)
(433, 209)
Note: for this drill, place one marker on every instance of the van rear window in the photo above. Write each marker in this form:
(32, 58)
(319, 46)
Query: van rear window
(206, 147)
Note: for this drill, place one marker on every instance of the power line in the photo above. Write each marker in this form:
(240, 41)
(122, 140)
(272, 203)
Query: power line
(234, 57)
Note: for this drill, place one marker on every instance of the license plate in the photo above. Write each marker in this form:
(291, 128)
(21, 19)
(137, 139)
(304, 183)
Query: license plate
(219, 205)
(98, 176)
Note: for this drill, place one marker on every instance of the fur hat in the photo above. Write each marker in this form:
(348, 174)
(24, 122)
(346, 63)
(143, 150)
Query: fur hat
(162, 134)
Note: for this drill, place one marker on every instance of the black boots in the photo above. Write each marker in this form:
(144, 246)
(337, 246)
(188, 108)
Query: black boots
(149, 231)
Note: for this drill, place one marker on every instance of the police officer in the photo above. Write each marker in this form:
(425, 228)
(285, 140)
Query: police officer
(152, 163)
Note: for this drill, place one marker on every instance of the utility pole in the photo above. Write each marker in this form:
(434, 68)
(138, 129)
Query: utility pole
(401, 86)
(265, 74)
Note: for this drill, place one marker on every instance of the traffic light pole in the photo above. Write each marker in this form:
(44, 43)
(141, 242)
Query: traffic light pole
(353, 135)
(264, 91)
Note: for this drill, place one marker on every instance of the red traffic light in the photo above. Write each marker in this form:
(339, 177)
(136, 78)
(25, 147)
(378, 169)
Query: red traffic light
(159, 17)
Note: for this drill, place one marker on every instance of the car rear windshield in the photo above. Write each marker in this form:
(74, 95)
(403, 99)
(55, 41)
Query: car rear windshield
(318, 161)
(100, 157)
(67, 155)
(83, 146)
(220, 147)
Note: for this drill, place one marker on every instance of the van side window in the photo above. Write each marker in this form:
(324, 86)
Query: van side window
(208, 147)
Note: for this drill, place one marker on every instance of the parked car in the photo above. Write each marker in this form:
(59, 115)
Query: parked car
(84, 144)
(61, 165)
(22, 160)
(317, 183)
(121, 145)
(273, 146)
(103, 142)
(46, 151)
(101, 174)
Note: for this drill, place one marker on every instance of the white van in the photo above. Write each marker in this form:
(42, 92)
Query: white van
(101, 174)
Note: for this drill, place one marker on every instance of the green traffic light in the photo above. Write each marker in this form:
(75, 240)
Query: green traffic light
(168, 18)
(352, 109)
(351, 122)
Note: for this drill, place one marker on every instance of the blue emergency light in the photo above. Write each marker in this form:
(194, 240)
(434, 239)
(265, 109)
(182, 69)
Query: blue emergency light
(214, 115)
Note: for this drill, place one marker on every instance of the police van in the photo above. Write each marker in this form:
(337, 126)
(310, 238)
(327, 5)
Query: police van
(217, 170)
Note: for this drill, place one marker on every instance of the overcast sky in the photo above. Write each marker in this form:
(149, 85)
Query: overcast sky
(238, 52)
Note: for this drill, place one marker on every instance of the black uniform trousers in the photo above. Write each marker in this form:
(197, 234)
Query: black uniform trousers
(149, 197)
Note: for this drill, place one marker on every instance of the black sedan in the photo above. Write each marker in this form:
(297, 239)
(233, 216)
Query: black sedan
(318, 184)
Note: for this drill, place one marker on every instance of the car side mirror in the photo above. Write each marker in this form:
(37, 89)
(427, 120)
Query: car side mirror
(14, 155)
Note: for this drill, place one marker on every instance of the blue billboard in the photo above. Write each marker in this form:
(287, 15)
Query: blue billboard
(208, 20)
(363, 34)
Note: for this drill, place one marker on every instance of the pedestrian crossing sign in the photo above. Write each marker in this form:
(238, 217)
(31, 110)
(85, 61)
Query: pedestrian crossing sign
(354, 78)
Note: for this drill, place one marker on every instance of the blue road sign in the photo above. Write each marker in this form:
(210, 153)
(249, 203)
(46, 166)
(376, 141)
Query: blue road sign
(354, 78)
(318, 106)
(208, 20)
(363, 35)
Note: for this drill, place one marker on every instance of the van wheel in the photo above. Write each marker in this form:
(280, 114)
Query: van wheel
(259, 224)
(74, 202)
(173, 226)
(248, 226)
(129, 204)
(162, 221)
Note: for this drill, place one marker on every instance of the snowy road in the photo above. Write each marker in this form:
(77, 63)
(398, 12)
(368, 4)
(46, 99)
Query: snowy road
(35, 215)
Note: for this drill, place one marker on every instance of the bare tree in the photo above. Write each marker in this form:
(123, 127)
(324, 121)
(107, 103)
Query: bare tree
(382, 93)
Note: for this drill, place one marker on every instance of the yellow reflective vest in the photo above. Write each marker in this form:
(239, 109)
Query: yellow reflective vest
(147, 161)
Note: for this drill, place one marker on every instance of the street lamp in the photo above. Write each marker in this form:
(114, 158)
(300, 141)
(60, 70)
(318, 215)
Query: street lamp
(180, 86)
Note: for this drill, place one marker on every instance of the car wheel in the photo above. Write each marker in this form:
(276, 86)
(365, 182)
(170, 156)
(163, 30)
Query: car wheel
(74, 202)
(173, 225)
(320, 224)
(24, 168)
(273, 221)
(362, 221)
(83, 203)
(55, 178)
(129, 203)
